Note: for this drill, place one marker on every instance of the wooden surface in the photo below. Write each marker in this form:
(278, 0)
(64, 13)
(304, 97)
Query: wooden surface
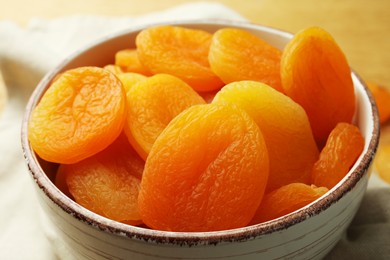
(361, 27)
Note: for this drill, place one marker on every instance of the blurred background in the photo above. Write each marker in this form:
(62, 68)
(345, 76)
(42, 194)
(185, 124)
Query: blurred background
(361, 27)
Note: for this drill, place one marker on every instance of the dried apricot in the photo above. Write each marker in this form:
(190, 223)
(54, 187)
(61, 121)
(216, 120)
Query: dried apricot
(153, 103)
(178, 51)
(128, 61)
(315, 73)
(382, 99)
(80, 114)
(113, 69)
(206, 171)
(236, 54)
(285, 127)
(285, 200)
(107, 183)
(343, 147)
(129, 79)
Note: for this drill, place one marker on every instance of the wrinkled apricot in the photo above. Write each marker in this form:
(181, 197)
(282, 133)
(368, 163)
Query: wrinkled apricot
(285, 127)
(315, 73)
(80, 114)
(343, 147)
(178, 51)
(206, 171)
(237, 54)
(153, 103)
(128, 61)
(129, 79)
(382, 99)
(285, 200)
(113, 69)
(107, 183)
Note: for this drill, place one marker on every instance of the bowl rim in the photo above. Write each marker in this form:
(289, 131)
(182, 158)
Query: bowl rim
(191, 238)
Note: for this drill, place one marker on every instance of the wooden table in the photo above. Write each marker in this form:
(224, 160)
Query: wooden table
(361, 27)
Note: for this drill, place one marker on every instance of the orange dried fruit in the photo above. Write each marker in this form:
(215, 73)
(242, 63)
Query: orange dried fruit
(315, 73)
(285, 200)
(80, 114)
(236, 55)
(178, 51)
(382, 98)
(152, 104)
(113, 69)
(382, 162)
(107, 183)
(285, 127)
(206, 171)
(343, 147)
(129, 79)
(128, 61)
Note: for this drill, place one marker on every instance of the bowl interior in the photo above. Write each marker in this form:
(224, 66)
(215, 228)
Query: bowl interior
(102, 53)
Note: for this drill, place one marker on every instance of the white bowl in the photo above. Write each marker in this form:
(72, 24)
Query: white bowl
(308, 233)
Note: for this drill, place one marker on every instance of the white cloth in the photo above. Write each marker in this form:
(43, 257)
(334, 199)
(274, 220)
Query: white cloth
(26, 54)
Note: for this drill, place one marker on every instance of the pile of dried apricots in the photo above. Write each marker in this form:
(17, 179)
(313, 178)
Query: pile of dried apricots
(198, 131)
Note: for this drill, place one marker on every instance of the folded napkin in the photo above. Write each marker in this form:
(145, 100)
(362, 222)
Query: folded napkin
(27, 53)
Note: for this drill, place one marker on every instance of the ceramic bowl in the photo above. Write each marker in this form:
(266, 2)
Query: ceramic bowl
(308, 233)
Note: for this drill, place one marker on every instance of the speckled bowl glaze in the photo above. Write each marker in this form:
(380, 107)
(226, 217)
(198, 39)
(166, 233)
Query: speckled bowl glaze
(308, 233)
